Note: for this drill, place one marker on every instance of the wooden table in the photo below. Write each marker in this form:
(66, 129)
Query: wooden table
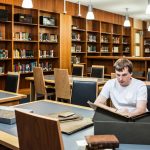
(10, 98)
(50, 79)
(8, 133)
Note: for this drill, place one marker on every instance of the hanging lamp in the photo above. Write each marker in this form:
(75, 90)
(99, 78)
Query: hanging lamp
(127, 21)
(27, 4)
(79, 8)
(148, 8)
(90, 14)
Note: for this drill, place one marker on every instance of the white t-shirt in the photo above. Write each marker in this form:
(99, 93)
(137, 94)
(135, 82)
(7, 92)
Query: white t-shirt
(125, 97)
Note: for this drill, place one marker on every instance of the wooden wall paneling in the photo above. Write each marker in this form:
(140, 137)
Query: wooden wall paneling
(65, 41)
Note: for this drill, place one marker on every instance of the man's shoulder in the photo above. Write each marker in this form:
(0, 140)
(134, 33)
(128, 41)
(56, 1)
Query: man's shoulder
(111, 81)
(138, 82)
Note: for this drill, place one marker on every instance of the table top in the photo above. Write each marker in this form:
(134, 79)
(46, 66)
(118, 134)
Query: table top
(6, 96)
(50, 79)
(8, 133)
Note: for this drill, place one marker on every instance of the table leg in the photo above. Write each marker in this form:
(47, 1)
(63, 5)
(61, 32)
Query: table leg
(32, 91)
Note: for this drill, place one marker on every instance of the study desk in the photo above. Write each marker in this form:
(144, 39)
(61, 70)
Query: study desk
(10, 98)
(8, 133)
(50, 79)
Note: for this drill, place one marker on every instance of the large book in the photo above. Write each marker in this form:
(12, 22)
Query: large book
(7, 114)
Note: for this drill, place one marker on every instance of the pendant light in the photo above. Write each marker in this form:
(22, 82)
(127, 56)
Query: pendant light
(65, 7)
(148, 8)
(79, 9)
(127, 21)
(90, 14)
(148, 25)
(27, 4)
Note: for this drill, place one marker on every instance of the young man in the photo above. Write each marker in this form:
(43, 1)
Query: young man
(127, 94)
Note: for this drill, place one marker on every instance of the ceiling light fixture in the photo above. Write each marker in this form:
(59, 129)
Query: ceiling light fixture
(79, 8)
(90, 14)
(148, 8)
(65, 7)
(127, 21)
(27, 4)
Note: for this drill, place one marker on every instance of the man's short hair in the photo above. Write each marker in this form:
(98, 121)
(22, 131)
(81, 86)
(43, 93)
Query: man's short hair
(122, 63)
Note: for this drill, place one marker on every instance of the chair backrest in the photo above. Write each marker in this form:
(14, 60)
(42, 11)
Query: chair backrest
(82, 91)
(62, 84)
(12, 82)
(77, 70)
(37, 132)
(113, 75)
(148, 74)
(148, 97)
(39, 82)
(97, 71)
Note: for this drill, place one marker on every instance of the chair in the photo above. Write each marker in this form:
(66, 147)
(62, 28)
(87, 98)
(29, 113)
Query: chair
(12, 82)
(39, 83)
(37, 132)
(82, 91)
(62, 84)
(148, 74)
(113, 75)
(78, 70)
(148, 97)
(97, 71)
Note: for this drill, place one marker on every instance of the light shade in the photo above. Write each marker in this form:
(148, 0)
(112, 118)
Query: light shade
(90, 14)
(27, 4)
(148, 8)
(127, 21)
(148, 28)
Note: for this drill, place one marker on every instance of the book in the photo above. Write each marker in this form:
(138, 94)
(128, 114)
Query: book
(101, 141)
(7, 114)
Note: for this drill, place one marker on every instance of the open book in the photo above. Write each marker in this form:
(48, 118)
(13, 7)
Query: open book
(114, 110)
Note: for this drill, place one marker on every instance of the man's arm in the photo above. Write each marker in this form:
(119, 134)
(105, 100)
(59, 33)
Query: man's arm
(140, 109)
(100, 99)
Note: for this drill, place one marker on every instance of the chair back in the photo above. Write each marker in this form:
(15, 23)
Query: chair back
(113, 75)
(39, 82)
(12, 82)
(97, 71)
(148, 74)
(148, 97)
(62, 84)
(77, 70)
(82, 91)
(37, 132)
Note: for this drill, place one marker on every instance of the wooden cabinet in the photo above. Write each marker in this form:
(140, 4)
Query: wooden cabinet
(28, 38)
(5, 39)
(93, 37)
(78, 48)
(48, 40)
(146, 40)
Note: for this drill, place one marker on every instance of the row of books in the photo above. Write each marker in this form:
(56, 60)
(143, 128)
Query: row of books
(3, 53)
(76, 36)
(46, 53)
(25, 68)
(91, 48)
(47, 37)
(76, 48)
(23, 53)
(75, 59)
(25, 36)
(47, 66)
(91, 38)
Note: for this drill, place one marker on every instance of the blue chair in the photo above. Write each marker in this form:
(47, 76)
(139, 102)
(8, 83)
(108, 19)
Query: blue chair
(97, 71)
(82, 91)
(12, 82)
(148, 97)
(77, 70)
